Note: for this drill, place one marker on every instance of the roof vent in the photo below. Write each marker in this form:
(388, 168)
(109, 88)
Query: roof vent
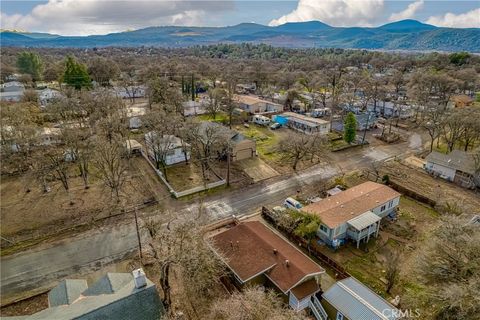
(275, 251)
(341, 206)
(139, 278)
(287, 263)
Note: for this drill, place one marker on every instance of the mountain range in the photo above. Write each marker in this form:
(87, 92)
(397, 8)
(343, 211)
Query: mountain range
(401, 35)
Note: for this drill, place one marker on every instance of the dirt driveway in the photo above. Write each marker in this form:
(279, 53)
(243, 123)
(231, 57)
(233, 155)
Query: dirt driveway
(257, 169)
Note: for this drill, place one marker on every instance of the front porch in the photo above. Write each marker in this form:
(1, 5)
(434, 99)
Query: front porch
(305, 296)
(363, 227)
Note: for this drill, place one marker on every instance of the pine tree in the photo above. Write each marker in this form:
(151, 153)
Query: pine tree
(76, 74)
(350, 128)
(30, 63)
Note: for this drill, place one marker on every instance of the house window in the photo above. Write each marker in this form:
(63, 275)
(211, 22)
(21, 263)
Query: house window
(339, 315)
(390, 204)
(382, 208)
(323, 228)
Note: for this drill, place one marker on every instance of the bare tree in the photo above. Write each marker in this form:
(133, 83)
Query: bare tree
(110, 165)
(450, 266)
(253, 304)
(181, 245)
(215, 101)
(297, 147)
(392, 266)
(207, 140)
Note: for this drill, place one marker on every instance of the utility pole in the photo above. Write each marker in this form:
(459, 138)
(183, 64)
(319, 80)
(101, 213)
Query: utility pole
(366, 126)
(228, 167)
(138, 234)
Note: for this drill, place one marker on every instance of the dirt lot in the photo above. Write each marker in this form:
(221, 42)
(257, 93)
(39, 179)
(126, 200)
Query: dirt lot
(23, 211)
(186, 176)
(442, 192)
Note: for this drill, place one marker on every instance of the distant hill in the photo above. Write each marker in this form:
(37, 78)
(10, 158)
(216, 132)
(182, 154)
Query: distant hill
(401, 35)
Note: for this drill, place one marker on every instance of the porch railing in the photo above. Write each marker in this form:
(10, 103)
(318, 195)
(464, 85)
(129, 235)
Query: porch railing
(317, 309)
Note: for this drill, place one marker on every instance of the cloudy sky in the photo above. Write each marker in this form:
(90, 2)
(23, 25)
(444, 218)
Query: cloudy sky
(85, 17)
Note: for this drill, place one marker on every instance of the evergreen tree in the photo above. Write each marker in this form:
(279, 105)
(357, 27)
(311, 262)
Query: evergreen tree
(350, 128)
(76, 74)
(30, 63)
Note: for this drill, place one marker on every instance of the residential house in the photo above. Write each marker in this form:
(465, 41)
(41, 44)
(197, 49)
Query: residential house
(258, 256)
(246, 88)
(130, 92)
(116, 296)
(460, 101)
(457, 166)
(135, 115)
(304, 124)
(355, 213)
(255, 105)
(11, 91)
(48, 136)
(174, 149)
(240, 146)
(349, 299)
(48, 95)
(191, 108)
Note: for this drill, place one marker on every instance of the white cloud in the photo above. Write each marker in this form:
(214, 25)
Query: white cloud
(335, 12)
(83, 17)
(470, 19)
(408, 13)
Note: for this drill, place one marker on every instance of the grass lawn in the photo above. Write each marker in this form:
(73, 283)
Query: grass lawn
(266, 140)
(186, 176)
(220, 117)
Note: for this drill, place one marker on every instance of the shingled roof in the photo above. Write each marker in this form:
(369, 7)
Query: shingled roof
(251, 249)
(348, 204)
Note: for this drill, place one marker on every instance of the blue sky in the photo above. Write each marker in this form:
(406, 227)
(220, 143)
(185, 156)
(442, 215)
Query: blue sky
(83, 17)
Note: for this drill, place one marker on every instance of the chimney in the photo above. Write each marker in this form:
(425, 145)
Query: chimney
(287, 263)
(231, 245)
(275, 251)
(139, 278)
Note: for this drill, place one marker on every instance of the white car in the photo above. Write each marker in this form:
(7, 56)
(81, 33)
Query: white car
(293, 204)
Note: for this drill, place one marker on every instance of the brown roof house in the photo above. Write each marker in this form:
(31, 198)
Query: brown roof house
(258, 256)
(354, 213)
(255, 105)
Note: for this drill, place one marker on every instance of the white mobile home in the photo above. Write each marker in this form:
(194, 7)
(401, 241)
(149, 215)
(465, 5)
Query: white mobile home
(172, 148)
(261, 120)
(354, 213)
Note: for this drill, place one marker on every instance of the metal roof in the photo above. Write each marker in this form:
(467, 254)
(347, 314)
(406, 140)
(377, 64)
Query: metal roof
(364, 220)
(356, 301)
(457, 159)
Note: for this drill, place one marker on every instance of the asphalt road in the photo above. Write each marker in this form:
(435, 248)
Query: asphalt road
(42, 267)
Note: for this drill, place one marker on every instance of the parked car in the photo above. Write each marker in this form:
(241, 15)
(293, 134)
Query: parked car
(293, 204)
(275, 126)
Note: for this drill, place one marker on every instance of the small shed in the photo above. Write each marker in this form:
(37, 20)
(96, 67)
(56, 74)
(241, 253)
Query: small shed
(133, 146)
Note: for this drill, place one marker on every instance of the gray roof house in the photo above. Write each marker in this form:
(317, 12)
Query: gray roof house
(349, 299)
(119, 296)
(457, 166)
